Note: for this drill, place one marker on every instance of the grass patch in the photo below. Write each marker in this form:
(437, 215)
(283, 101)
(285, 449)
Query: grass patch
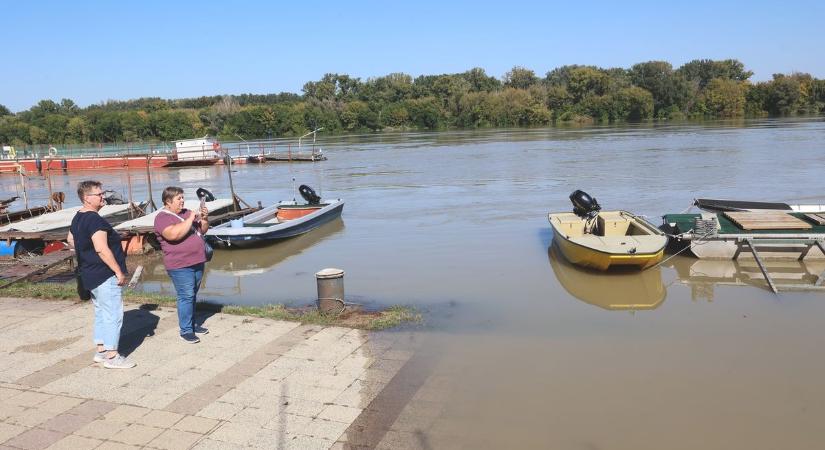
(68, 291)
(354, 318)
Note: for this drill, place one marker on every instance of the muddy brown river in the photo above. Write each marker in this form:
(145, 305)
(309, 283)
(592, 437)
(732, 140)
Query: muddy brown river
(523, 349)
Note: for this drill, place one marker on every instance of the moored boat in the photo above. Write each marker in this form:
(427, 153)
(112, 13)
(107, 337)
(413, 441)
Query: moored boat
(600, 240)
(280, 221)
(735, 234)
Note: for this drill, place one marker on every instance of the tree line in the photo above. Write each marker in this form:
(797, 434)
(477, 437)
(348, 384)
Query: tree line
(651, 90)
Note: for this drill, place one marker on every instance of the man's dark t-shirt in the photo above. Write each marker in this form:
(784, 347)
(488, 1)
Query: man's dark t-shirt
(93, 271)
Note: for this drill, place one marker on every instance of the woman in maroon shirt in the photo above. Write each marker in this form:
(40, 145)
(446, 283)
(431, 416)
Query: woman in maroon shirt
(180, 232)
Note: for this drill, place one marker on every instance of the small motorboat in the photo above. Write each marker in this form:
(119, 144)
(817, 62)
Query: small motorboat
(600, 240)
(280, 221)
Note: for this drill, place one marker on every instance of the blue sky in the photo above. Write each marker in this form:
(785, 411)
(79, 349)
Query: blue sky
(98, 50)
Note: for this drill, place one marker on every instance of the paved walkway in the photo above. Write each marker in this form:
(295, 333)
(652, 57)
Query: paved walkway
(250, 383)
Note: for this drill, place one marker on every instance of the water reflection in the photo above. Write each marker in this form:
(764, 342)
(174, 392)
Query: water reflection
(259, 260)
(222, 281)
(614, 291)
(703, 275)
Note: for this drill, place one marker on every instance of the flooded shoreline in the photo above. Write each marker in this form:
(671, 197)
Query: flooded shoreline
(691, 354)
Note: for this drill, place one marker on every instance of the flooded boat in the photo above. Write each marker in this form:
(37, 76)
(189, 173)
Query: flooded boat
(600, 240)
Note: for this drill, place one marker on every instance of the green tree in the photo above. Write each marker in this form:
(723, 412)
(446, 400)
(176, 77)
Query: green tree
(4, 111)
(520, 78)
(670, 90)
(704, 70)
(783, 95)
(77, 130)
(426, 113)
(479, 81)
(725, 97)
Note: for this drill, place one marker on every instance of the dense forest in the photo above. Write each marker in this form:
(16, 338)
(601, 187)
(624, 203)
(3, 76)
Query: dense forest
(651, 90)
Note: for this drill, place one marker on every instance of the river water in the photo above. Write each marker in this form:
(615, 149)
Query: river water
(529, 351)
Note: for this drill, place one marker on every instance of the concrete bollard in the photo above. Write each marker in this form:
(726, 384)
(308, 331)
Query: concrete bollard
(330, 290)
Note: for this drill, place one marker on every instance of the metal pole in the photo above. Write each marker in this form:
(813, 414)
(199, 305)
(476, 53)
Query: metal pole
(762, 266)
(149, 182)
(231, 185)
(23, 184)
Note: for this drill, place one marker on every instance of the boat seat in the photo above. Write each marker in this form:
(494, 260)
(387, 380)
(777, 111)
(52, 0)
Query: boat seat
(571, 226)
(613, 224)
(621, 244)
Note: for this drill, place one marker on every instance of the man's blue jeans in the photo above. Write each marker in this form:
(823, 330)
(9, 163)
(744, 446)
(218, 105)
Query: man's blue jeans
(108, 313)
(187, 281)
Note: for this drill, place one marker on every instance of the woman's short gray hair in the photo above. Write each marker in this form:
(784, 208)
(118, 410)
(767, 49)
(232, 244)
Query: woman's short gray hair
(170, 193)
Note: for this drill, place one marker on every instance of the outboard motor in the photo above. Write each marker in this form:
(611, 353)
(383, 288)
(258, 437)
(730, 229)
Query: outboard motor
(309, 194)
(205, 195)
(584, 205)
(113, 198)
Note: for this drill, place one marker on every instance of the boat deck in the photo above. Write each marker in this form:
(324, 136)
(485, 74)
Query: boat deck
(685, 222)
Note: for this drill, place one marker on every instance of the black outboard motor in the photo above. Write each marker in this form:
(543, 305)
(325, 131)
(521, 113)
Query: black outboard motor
(113, 198)
(205, 195)
(584, 205)
(309, 194)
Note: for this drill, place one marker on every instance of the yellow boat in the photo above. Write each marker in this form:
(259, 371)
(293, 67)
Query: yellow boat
(605, 239)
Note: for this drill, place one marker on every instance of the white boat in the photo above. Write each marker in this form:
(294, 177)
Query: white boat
(280, 221)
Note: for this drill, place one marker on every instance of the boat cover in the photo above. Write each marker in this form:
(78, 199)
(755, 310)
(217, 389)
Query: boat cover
(735, 205)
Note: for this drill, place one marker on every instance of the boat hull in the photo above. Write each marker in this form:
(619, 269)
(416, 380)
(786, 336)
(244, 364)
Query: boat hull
(594, 259)
(732, 242)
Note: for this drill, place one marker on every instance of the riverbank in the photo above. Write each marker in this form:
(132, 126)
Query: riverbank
(251, 382)
(350, 318)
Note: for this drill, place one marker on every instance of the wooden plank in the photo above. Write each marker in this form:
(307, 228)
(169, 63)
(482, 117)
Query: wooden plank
(818, 218)
(30, 267)
(767, 221)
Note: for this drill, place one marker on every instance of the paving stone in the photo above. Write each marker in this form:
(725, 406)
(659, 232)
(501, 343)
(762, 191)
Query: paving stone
(234, 433)
(325, 429)
(27, 399)
(101, 429)
(160, 419)
(7, 411)
(66, 423)
(93, 408)
(75, 443)
(307, 443)
(34, 438)
(196, 424)
(137, 434)
(8, 431)
(30, 417)
(117, 446)
(126, 414)
(211, 444)
(175, 440)
(340, 413)
(220, 410)
(59, 404)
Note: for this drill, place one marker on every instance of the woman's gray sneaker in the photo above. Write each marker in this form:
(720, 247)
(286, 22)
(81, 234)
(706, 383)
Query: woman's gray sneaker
(190, 338)
(100, 356)
(118, 362)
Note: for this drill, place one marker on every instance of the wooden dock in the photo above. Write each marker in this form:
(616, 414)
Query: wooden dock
(767, 220)
(26, 268)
